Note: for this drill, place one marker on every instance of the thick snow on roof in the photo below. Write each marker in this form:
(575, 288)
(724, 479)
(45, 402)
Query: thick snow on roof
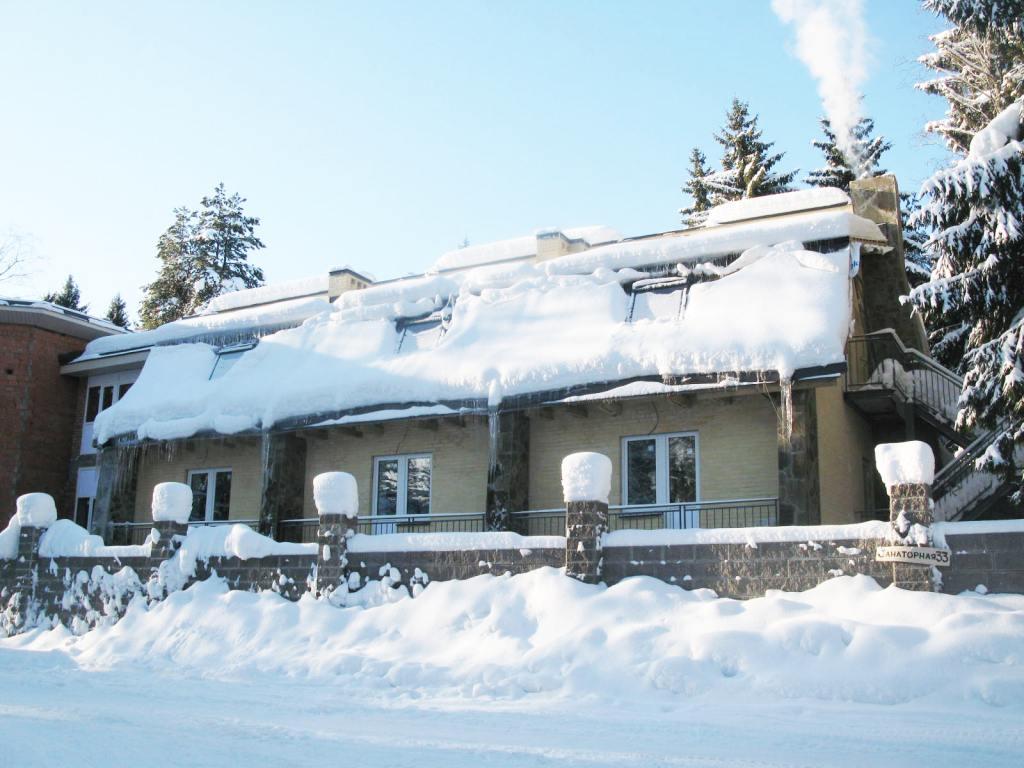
(290, 289)
(776, 205)
(283, 313)
(513, 329)
(518, 248)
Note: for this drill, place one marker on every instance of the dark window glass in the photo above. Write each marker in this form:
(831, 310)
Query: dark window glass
(93, 405)
(418, 486)
(82, 512)
(108, 397)
(642, 472)
(198, 482)
(222, 495)
(123, 390)
(682, 469)
(387, 487)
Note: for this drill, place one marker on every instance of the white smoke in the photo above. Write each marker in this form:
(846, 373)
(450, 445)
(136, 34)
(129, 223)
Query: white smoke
(832, 40)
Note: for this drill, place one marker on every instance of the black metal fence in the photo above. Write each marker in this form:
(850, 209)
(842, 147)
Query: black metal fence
(303, 530)
(122, 534)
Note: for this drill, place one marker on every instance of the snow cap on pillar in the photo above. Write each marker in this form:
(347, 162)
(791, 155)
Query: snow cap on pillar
(172, 502)
(586, 477)
(906, 463)
(37, 510)
(335, 493)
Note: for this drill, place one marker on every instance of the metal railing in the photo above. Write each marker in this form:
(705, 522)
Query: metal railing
(959, 485)
(880, 361)
(736, 513)
(136, 533)
(303, 530)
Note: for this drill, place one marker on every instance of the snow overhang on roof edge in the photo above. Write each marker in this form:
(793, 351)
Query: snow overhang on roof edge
(354, 417)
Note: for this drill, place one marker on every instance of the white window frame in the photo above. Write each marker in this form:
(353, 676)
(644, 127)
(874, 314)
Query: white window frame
(661, 484)
(211, 491)
(115, 380)
(402, 489)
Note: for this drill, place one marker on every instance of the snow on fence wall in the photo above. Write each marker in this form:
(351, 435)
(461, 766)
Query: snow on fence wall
(58, 573)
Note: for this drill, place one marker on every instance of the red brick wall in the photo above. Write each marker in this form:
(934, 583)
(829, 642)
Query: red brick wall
(37, 416)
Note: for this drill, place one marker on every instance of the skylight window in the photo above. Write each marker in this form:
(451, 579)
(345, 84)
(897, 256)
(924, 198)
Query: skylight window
(228, 356)
(658, 300)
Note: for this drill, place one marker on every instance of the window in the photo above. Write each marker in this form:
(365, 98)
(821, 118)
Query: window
(401, 485)
(103, 392)
(658, 300)
(211, 494)
(227, 356)
(660, 469)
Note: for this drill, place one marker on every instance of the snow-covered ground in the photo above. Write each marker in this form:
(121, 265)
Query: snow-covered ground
(529, 670)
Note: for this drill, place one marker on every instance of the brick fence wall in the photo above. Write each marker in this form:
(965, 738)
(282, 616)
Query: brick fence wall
(82, 592)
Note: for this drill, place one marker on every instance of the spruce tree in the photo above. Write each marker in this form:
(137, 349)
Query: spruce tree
(202, 254)
(117, 313)
(916, 257)
(979, 68)
(69, 296)
(974, 303)
(746, 162)
(838, 171)
(695, 214)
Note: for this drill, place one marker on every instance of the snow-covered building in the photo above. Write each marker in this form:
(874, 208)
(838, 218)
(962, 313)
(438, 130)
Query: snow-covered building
(737, 374)
(38, 420)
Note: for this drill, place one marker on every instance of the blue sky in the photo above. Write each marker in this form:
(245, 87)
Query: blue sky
(381, 134)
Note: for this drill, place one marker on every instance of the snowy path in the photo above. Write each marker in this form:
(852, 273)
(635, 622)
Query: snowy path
(55, 714)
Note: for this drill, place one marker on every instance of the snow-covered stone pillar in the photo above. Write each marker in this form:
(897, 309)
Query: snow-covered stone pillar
(172, 507)
(908, 469)
(36, 512)
(586, 483)
(337, 502)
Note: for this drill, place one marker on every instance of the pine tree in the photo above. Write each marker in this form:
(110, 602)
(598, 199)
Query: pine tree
(69, 296)
(980, 70)
(746, 164)
(838, 171)
(980, 14)
(974, 303)
(117, 313)
(695, 214)
(203, 254)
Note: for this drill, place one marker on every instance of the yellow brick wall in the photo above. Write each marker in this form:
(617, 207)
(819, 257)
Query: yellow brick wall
(243, 459)
(844, 442)
(459, 467)
(736, 443)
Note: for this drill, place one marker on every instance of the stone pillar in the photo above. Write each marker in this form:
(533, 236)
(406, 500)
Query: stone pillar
(284, 478)
(172, 507)
(908, 469)
(910, 504)
(337, 502)
(586, 482)
(799, 491)
(36, 512)
(508, 468)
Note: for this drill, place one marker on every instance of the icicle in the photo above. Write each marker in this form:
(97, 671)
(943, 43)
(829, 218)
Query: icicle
(493, 433)
(787, 409)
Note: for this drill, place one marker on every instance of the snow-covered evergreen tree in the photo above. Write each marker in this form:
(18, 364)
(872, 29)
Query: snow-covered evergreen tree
(980, 14)
(746, 163)
(979, 68)
(69, 296)
(117, 312)
(203, 254)
(974, 303)
(916, 257)
(838, 171)
(695, 214)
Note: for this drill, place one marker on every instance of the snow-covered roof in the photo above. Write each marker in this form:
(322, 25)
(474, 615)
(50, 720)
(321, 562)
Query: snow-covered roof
(514, 329)
(518, 248)
(266, 294)
(776, 205)
(44, 314)
(250, 320)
